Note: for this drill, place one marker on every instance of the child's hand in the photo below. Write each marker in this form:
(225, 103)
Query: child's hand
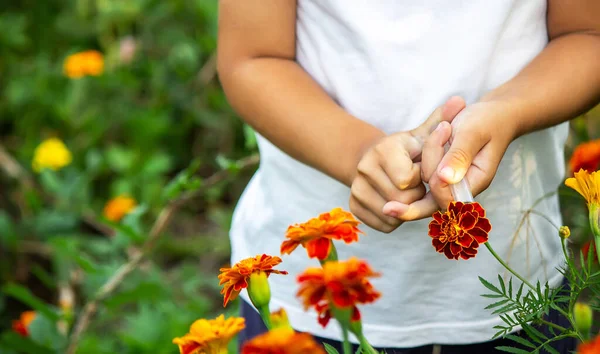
(479, 137)
(389, 175)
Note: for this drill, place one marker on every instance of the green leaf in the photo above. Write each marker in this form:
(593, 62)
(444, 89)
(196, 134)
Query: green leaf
(142, 292)
(520, 291)
(512, 350)
(158, 164)
(22, 344)
(329, 349)
(521, 340)
(85, 263)
(505, 309)
(496, 304)
(501, 281)
(43, 276)
(533, 333)
(120, 159)
(490, 286)
(250, 138)
(44, 332)
(25, 296)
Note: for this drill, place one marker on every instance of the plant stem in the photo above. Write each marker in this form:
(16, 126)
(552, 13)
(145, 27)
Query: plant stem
(553, 325)
(332, 257)
(594, 216)
(367, 348)
(346, 346)
(265, 314)
(489, 247)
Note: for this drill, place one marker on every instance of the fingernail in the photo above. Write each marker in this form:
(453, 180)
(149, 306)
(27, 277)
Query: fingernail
(447, 173)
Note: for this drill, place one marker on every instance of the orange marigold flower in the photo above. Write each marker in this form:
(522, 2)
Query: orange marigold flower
(591, 347)
(21, 325)
(316, 234)
(339, 284)
(90, 62)
(236, 278)
(118, 207)
(460, 230)
(282, 341)
(586, 157)
(210, 336)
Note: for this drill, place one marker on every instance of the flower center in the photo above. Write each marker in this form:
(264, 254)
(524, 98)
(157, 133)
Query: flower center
(451, 230)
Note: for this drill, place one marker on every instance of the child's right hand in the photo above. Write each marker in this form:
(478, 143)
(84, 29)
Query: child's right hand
(387, 188)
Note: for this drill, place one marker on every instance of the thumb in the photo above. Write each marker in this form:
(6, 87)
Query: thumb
(458, 159)
(446, 112)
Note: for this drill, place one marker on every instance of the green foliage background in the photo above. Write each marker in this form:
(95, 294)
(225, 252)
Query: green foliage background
(132, 130)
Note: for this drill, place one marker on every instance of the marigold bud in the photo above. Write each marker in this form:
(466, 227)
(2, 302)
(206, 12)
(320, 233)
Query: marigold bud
(259, 290)
(583, 317)
(564, 232)
(279, 320)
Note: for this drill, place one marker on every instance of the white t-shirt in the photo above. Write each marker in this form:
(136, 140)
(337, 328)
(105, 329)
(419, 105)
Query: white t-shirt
(391, 63)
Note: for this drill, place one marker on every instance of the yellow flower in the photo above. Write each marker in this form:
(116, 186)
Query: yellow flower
(51, 153)
(279, 320)
(564, 232)
(118, 207)
(587, 184)
(90, 62)
(210, 336)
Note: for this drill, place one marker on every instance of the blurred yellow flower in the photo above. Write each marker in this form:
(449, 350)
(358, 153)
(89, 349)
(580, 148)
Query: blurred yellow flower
(118, 207)
(90, 62)
(51, 153)
(210, 336)
(587, 184)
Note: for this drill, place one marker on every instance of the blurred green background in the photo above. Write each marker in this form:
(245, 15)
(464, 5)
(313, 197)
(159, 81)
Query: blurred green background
(154, 125)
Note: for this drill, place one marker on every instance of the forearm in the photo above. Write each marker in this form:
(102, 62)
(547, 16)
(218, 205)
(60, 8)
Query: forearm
(562, 82)
(285, 105)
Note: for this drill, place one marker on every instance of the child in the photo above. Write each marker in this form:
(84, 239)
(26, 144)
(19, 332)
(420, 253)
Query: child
(340, 92)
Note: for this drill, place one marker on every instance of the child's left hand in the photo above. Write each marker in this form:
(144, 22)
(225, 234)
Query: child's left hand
(479, 137)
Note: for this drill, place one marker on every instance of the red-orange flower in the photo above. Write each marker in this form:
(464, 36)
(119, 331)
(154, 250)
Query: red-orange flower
(317, 233)
(21, 325)
(591, 347)
(282, 341)
(460, 230)
(236, 278)
(586, 156)
(339, 284)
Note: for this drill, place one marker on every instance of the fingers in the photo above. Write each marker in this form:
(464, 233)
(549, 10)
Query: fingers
(391, 156)
(433, 150)
(446, 113)
(420, 209)
(465, 146)
(367, 205)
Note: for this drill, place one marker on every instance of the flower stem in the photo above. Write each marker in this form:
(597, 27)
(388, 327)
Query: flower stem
(366, 347)
(489, 247)
(594, 216)
(555, 326)
(346, 346)
(332, 257)
(265, 314)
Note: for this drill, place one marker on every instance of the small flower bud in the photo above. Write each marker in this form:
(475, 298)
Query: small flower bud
(279, 320)
(564, 232)
(259, 290)
(583, 317)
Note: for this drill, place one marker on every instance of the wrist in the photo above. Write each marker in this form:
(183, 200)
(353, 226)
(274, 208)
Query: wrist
(508, 116)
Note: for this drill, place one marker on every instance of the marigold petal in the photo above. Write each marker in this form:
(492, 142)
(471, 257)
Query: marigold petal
(318, 248)
(467, 221)
(435, 229)
(448, 253)
(479, 235)
(288, 246)
(465, 241)
(484, 224)
(455, 248)
(439, 245)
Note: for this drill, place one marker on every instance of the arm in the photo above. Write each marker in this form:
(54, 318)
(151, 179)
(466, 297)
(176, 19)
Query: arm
(560, 83)
(274, 95)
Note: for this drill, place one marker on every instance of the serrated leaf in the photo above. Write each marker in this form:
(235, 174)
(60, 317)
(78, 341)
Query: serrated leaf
(501, 281)
(496, 304)
(519, 292)
(512, 350)
(493, 296)
(329, 349)
(25, 296)
(489, 286)
(521, 340)
(507, 308)
(534, 334)
(510, 288)
(551, 350)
